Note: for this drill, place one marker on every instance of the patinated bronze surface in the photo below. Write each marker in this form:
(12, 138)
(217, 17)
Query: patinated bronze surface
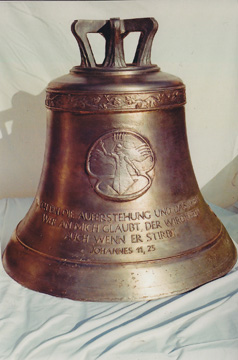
(118, 215)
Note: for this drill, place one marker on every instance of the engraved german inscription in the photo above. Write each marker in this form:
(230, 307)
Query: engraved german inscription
(136, 238)
(120, 233)
(81, 238)
(152, 225)
(49, 220)
(92, 228)
(98, 250)
(174, 209)
(177, 220)
(160, 235)
(144, 249)
(151, 248)
(112, 228)
(108, 239)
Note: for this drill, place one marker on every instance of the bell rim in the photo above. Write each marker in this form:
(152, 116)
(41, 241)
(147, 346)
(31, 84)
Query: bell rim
(200, 268)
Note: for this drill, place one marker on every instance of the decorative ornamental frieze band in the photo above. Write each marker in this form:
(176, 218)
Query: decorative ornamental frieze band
(75, 102)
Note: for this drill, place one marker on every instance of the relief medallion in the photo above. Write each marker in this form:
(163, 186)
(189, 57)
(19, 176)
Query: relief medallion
(120, 165)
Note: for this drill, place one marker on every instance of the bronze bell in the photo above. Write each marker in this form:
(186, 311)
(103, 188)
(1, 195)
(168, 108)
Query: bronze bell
(118, 215)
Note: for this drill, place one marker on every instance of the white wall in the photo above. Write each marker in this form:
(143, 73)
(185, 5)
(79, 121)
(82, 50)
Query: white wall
(197, 41)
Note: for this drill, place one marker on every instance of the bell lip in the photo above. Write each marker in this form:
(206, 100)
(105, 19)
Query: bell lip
(160, 281)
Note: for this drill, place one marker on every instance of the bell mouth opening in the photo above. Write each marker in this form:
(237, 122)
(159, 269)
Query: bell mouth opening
(132, 69)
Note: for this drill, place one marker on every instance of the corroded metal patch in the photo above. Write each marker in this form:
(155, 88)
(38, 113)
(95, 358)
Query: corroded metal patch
(120, 165)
